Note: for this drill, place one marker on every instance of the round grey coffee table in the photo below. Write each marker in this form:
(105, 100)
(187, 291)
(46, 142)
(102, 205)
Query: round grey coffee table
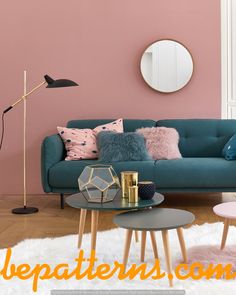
(157, 219)
(78, 201)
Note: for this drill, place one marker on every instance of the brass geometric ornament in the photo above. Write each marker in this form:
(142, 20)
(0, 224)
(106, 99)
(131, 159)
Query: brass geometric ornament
(99, 183)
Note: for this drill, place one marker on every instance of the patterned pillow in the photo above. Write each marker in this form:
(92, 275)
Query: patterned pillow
(161, 142)
(116, 126)
(81, 143)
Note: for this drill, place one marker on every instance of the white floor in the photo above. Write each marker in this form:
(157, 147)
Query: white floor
(109, 248)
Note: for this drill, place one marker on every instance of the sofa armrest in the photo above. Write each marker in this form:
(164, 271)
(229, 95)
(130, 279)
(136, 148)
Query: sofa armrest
(52, 152)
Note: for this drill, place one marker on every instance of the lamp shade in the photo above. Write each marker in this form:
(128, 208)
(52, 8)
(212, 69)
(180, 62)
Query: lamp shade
(58, 83)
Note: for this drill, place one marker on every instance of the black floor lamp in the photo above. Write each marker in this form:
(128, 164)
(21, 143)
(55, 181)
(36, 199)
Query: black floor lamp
(51, 83)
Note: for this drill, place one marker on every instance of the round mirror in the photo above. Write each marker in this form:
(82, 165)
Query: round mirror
(166, 66)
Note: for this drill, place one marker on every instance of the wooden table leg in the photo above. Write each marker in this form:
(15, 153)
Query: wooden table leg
(82, 220)
(136, 236)
(129, 233)
(154, 244)
(182, 244)
(143, 245)
(94, 225)
(167, 256)
(225, 233)
(97, 218)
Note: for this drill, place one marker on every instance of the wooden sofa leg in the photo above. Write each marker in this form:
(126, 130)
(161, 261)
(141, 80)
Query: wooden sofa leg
(62, 201)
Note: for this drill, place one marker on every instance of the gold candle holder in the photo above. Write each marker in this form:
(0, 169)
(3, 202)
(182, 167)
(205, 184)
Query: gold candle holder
(128, 178)
(133, 194)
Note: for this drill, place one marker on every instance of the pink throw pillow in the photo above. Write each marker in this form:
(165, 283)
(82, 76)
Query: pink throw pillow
(81, 143)
(161, 142)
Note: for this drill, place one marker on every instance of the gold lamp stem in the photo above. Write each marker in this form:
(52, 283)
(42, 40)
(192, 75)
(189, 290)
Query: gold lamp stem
(25, 209)
(24, 139)
(24, 98)
(27, 94)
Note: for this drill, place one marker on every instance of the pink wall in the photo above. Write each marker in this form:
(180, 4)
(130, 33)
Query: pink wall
(98, 43)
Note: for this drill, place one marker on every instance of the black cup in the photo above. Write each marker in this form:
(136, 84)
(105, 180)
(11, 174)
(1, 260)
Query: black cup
(146, 190)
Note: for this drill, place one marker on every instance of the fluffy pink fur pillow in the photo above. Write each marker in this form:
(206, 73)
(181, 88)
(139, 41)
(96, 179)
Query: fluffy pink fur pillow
(161, 142)
(81, 143)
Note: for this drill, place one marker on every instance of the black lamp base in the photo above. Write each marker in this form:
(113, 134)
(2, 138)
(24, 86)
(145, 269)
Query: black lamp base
(25, 210)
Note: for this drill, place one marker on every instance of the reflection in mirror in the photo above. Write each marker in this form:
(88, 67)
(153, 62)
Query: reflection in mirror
(166, 66)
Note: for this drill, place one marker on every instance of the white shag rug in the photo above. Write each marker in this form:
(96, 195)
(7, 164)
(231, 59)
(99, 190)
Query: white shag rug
(109, 248)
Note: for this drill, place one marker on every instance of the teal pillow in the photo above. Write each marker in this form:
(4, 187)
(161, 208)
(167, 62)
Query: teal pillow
(121, 147)
(229, 150)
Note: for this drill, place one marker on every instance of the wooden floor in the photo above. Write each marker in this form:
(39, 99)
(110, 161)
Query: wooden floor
(51, 221)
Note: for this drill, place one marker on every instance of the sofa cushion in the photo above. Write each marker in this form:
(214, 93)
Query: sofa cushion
(130, 125)
(201, 137)
(229, 150)
(161, 142)
(195, 173)
(118, 147)
(65, 174)
(82, 143)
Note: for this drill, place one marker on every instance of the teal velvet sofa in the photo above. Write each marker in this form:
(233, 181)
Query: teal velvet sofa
(202, 168)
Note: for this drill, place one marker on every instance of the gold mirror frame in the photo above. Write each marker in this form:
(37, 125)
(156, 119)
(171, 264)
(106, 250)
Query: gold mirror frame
(157, 90)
